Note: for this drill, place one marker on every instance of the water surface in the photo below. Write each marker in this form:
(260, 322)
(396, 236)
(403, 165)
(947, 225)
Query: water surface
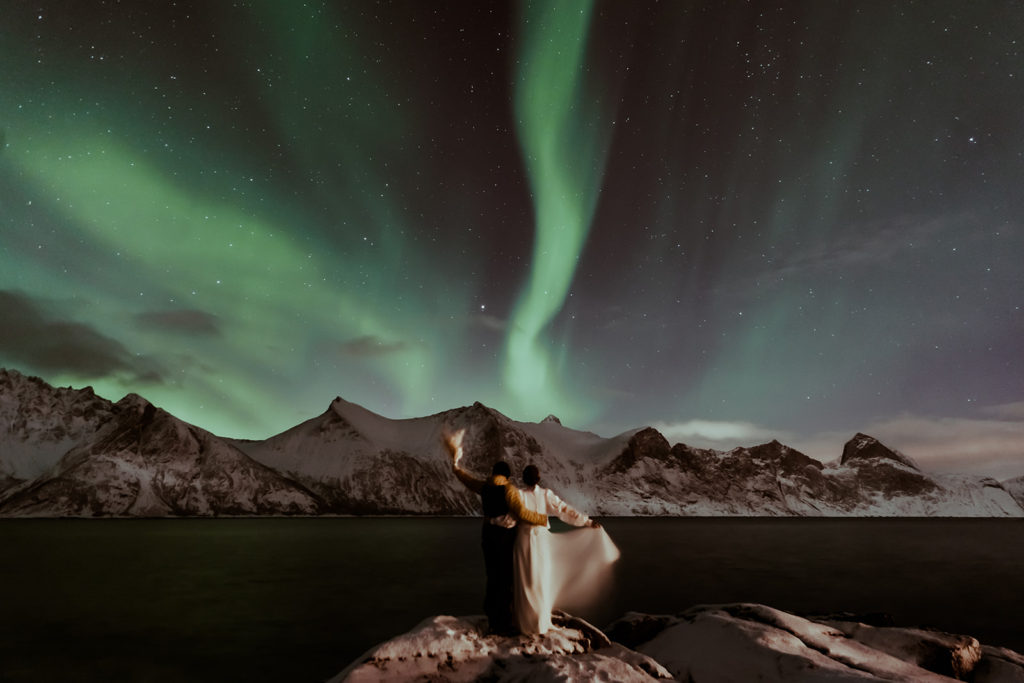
(297, 599)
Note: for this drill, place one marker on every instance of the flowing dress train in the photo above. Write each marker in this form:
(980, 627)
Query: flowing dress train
(556, 569)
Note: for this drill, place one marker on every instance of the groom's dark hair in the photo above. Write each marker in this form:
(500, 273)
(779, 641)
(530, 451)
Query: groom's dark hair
(531, 475)
(501, 469)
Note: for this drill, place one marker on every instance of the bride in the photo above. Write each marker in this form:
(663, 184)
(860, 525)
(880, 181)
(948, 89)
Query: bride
(544, 563)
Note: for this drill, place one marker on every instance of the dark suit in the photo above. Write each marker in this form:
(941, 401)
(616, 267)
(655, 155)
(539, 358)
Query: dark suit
(497, 542)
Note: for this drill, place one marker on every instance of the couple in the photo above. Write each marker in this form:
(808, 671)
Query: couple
(529, 570)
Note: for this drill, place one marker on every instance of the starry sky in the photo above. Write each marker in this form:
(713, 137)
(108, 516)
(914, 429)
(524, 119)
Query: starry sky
(734, 221)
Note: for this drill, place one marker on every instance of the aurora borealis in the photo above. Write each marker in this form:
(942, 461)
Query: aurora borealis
(733, 221)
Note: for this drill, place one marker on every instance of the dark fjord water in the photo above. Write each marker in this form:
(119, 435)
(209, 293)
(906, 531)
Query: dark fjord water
(298, 599)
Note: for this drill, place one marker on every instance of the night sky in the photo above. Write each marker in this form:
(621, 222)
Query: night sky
(732, 221)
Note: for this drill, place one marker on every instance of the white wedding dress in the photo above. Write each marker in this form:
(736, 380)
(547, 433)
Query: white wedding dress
(557, 570)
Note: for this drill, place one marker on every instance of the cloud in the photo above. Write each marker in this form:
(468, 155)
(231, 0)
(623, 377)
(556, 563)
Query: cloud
(983, 445)
(990, 444)
(717, 434)
(188, 322)
(490, 322)
(30, 336)
(1007, 411)
(370, 345)
(870, 244)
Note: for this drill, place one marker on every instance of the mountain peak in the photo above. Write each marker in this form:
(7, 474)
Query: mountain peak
(341, 407)
(479, 408)
(865, 447)
(131, 400)
(551, 418)
(10, 372)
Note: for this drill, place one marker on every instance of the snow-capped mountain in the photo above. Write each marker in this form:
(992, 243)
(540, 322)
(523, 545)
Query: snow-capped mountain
(138, 461)
(68, 452)
(40, 423)
(361, 462)
(358, 461)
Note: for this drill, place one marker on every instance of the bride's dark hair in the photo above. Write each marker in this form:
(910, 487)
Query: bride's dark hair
(531, 475)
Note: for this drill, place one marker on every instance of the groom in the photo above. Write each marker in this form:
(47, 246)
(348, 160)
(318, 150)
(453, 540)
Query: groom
(503, 507)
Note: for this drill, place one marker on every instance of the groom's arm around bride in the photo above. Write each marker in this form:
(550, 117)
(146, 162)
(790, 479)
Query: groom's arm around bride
(512, 501)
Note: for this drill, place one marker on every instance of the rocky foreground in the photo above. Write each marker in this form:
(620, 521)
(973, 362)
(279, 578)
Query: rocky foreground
(709, 643)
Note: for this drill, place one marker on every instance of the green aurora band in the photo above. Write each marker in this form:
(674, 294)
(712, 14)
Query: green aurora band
(620, 213)
(231, 244)
(564, 144)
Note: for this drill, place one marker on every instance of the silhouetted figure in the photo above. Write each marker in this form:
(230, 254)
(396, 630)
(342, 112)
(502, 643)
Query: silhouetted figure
(503, 510)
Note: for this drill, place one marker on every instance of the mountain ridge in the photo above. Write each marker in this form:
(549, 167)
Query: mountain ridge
(68, 452)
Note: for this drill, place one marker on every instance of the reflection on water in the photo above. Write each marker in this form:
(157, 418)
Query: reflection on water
(297, 599)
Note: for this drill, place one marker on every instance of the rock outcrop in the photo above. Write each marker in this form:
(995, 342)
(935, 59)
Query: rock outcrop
(455, 649)
(731, 642)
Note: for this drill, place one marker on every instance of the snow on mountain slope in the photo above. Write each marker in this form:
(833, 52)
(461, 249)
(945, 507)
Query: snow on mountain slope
(360, 462)
(145, 462)
(40, 423)
(70, 452)
(1015, 487)
(892, 485)
(344, 438)
(564, 456)
(969, 496)
(583, 451)
(584, 448)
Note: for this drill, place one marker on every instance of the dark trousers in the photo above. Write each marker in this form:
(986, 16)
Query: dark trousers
(498, 543)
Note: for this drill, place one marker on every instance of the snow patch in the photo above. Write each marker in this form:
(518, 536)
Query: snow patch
(458, 649)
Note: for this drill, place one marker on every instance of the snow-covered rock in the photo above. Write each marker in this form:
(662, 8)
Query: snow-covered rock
(731, 642)
(447, 648)
(746, 642)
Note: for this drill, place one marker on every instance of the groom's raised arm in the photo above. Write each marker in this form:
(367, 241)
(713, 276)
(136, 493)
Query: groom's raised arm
(472, 483)
(520, 511)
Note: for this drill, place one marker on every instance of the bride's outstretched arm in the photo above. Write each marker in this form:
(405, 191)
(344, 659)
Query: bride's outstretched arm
(565, 512)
